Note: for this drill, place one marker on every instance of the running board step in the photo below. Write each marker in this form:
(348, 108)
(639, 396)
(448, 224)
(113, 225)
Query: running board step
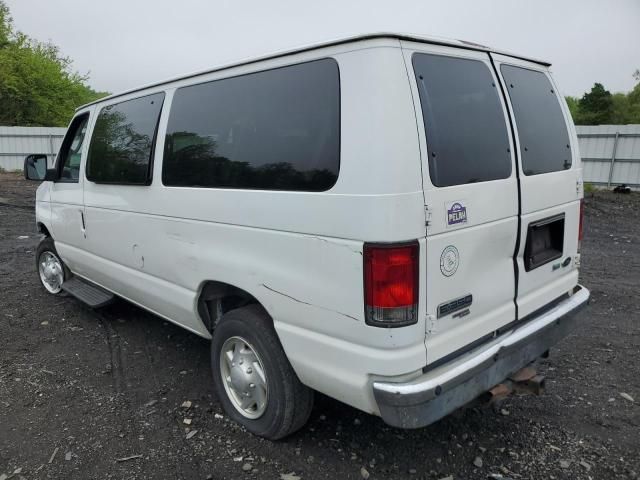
(91, 294)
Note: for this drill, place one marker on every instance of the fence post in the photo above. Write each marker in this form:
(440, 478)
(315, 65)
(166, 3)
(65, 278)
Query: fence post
(613, 158)
(50, 150)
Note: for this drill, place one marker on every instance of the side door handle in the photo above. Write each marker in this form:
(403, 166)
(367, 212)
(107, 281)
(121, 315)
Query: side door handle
(83, 225)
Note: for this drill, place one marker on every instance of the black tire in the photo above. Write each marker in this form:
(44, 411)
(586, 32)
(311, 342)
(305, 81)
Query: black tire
(289, 402)
(47, 245)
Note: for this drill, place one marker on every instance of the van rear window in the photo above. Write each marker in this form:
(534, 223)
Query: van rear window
(542, 130)
(465, 126)
(273, 130)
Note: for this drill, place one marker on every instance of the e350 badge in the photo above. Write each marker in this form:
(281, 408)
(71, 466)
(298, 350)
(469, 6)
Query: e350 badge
(456, 213)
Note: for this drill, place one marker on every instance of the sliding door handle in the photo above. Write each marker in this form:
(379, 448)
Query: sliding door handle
(83, 226)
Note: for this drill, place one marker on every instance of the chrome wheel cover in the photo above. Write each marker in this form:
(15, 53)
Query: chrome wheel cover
(51, 272)
(243, 377)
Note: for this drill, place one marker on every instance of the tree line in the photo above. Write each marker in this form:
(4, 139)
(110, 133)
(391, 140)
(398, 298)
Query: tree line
(38, 86)
(600, 107)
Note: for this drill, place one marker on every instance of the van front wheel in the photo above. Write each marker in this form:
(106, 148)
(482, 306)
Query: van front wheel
(253, 377)
(51, 270)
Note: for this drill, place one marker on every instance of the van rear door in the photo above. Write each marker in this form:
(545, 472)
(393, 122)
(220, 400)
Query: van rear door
(471, 195)
(550, 177)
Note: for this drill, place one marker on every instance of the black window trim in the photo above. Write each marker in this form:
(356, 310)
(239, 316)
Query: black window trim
(149, 176)
(504, 106)
(251, 73)
(66, 143)
(509, 104)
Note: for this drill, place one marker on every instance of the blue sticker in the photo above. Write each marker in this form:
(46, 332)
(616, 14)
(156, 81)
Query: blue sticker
(456, 214)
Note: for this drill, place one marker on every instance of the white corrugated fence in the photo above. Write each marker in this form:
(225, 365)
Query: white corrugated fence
(18, 142)
(610, 154)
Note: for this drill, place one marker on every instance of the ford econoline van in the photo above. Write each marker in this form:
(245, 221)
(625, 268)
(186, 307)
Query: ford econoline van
(391, 220)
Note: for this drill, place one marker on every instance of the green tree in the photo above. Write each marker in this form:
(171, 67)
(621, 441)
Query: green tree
(572, 103)
(596, 107)
(600, 106)
(622, 111)
(38, 87)
(5, 25)
(633, 99)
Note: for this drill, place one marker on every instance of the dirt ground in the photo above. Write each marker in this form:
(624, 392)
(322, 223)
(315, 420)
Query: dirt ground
(98, 394)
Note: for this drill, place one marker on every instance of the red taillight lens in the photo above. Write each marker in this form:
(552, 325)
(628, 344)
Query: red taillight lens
(391, 284)
(580, 225)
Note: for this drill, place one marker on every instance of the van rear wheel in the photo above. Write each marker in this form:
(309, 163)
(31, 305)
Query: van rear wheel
(253, 377)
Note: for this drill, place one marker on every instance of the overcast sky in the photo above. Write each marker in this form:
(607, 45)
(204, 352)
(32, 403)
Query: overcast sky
(126, 43)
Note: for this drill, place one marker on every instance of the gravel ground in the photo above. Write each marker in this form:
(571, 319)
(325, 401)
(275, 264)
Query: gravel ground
(100, 394)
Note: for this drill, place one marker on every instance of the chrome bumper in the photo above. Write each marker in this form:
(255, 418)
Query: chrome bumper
(434, 395)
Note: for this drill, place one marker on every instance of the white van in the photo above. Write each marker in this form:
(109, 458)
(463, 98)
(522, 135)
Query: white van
(391, 220)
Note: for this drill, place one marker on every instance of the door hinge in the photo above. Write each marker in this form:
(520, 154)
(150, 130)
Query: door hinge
(432, 324)
(427, 215)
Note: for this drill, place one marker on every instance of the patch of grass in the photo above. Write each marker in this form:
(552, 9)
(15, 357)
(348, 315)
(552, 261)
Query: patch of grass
(590, 188)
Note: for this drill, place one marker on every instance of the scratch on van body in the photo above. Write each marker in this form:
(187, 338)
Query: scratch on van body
(310, 304)
(337, 244)
(179, 238)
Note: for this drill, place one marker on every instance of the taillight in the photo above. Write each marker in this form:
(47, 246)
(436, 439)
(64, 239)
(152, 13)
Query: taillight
(580, 225)
(391, 284)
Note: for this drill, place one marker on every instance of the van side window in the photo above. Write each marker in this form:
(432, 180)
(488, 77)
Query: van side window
(276, 130)
(122, 142)
(71, 150)
(465, 126)
(542, 130)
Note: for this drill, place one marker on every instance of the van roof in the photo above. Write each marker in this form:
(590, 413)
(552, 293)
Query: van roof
(327, 43)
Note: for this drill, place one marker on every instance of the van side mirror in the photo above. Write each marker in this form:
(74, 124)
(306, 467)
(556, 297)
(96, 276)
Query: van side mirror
(35, 168)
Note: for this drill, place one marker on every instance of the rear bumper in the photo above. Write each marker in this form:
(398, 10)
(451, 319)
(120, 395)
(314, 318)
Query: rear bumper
(435, 394)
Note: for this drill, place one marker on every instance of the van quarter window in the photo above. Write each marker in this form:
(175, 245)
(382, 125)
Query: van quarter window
(544, 140)
(122, 142)
(465, 126)
(276, 130)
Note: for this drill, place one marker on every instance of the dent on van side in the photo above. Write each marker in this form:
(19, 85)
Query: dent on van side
(390, 220)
